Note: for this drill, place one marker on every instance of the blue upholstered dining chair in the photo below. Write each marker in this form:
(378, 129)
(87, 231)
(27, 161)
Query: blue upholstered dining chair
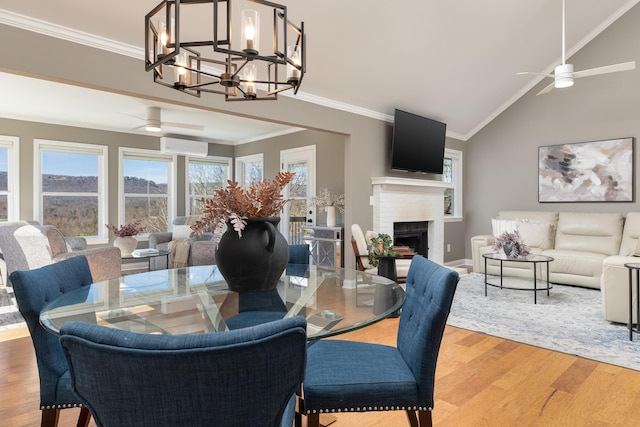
(244, 377)
(347, 376)
(33, 289)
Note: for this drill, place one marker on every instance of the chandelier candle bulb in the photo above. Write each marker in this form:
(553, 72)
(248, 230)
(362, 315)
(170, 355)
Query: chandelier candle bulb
(293, 74)
(251, 26)
(250, 77)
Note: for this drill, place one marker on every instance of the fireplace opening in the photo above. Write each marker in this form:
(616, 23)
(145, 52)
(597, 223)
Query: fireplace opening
(414, 234)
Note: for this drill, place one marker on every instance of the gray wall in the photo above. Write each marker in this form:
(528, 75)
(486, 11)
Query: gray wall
(501, 170)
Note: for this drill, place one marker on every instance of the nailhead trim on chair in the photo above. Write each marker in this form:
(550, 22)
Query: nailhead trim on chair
(63, 406)
(370, 408)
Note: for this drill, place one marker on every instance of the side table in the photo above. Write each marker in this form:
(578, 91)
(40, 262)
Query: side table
(633, 267)
(148, 257)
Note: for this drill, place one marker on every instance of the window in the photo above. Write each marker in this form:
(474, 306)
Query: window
(9, 190)
(249, 169)
(204, 176)
(452, 177)
(71, 187)
(147, 188)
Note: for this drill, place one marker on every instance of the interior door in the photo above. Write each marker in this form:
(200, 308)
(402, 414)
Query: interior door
(301, 191)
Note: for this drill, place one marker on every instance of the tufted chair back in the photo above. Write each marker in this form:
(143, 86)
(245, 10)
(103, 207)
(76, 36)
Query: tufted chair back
(430, 288)
(33, 290)
(245, 377)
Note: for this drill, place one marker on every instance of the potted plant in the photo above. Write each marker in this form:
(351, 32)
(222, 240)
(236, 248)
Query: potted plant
(330, 202)
(382, 245)
(251, 254)
(124, 236)
(512, 244)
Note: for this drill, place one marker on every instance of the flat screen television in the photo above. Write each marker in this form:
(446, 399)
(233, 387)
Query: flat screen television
(418, 143)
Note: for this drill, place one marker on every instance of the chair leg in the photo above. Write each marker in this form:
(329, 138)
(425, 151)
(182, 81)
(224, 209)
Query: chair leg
(84, 418)
(50, 417)
(413, 420)
(313, 420)
(425, 418)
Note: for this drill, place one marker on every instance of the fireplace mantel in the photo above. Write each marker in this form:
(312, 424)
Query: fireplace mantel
(404, 200)
(390, 180)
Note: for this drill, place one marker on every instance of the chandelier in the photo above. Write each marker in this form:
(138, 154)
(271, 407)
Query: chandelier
(196, 46)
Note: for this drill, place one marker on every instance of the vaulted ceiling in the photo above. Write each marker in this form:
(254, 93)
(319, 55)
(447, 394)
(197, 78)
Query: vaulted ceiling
(453, 61)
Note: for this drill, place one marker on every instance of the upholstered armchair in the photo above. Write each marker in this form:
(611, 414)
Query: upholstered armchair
(360, 242)
(244, 377)
(26, 246)
(201, 248)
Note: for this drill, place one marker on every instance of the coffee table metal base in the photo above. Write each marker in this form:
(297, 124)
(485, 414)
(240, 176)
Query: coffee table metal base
(534, 259)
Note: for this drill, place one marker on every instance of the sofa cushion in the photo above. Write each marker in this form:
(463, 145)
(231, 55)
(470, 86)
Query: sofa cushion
(538, 235)
(589, 232)
(630, 235)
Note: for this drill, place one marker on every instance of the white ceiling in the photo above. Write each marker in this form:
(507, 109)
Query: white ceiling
(453, 61)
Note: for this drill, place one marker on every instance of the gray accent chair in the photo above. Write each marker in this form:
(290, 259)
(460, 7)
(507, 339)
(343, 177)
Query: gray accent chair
(202, 250)
(26, 246)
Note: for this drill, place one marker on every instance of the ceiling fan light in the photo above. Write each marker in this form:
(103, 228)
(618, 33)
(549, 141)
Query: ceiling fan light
(563, 76)
(153, 127)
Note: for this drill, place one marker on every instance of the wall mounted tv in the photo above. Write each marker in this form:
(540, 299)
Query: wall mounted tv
(418, 143)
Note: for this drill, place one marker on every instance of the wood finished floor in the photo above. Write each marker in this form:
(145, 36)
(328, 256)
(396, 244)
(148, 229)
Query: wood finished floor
(481, 381)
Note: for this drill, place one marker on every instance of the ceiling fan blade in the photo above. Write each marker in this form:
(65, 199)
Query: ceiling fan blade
(547, 89)
(183, 125)
(531, 73)
(624, 66)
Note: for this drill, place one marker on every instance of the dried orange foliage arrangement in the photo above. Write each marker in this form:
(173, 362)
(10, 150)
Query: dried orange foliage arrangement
(235, 204)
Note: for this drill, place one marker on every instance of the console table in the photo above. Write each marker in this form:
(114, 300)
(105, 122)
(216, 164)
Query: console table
(325, 245)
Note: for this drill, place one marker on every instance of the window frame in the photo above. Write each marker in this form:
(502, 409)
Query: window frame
(102, 151)
(455, 184)
(241, 161)
(12, 144)
(227, 161)
(151, 155)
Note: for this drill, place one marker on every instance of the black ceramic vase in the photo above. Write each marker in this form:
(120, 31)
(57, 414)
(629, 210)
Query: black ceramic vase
(255, 261)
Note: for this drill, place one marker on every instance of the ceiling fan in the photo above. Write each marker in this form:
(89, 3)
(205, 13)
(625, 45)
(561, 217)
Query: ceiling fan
(155, 124)
(563, 74)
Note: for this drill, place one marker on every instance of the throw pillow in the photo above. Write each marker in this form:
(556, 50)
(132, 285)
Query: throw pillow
(537, 235)
(503, 225)
(636, 251)
(181, 232)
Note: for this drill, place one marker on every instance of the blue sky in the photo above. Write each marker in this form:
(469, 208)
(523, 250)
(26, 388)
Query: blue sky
(71, 164)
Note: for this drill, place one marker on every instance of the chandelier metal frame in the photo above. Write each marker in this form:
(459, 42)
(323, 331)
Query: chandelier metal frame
(214, 65)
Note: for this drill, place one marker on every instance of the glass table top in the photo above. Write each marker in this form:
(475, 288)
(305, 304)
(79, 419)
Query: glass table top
(197, 300)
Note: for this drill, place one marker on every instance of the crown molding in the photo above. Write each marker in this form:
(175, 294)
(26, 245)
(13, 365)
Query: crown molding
(64, 33)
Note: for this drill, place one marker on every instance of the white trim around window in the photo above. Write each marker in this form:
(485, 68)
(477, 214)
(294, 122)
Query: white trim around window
(213, 160)
(101, 152)
(151, 155)
(12, 144)
(456, 184)
(242, 160)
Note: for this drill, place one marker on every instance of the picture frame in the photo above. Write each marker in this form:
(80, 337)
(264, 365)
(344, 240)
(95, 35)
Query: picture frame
(595, 171)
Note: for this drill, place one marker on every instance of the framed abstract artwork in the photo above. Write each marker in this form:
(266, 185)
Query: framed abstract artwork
(596, 171)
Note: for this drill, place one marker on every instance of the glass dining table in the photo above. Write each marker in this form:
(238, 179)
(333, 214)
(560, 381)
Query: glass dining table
(197, 300)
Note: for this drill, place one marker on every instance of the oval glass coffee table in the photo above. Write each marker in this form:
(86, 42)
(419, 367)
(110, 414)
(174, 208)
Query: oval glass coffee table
(197, 300)
(536, 260)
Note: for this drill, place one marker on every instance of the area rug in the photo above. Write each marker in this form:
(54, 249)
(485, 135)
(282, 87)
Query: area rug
(570, 320)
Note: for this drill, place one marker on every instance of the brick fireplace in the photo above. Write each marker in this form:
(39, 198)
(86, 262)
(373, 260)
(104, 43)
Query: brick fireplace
(404, 200)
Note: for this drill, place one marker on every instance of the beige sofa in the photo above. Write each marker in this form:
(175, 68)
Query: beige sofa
(589, 250)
